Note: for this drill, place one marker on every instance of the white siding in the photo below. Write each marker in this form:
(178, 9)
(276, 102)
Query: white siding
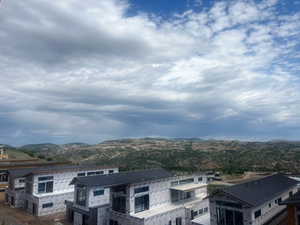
(100, 199)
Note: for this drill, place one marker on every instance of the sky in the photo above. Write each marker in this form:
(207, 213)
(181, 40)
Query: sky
(92, 70)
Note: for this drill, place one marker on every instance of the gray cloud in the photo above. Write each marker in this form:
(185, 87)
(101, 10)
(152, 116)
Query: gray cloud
(85, 71)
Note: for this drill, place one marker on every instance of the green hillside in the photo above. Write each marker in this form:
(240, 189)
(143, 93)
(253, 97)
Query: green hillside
(183, 154)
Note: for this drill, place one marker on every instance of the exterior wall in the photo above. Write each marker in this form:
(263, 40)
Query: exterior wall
(125, 219)
(98, 200)
(103, 215)
(18, 196)
(58, 203)
(159, 194)
(77, 218)
(18, 183)
(200, 205)
(165, 217)
(62, 180)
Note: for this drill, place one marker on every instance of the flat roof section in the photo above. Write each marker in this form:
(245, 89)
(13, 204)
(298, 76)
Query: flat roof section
(188, 187)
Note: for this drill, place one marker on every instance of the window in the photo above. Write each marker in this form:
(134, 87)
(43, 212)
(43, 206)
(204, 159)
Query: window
(80, 174)
(209, 179)
(111, 171)
(270, 205)
(141, 203)
(229, 217)
(174, 183)
(170, 222)
(257, 214)
(91, 173)
(99, 172)
(45, 184)
(47, 205)
(186, 181)
(290, 193)
(113, 222)
(178, 221)
(141, 189)
(179, 195)
(81, 195)
(45, 178)
(22, 180)
(205, 209)
(200, 211)
(29, 185)
(99, 192)
(194, 214)
(200, 179)
(278, 200)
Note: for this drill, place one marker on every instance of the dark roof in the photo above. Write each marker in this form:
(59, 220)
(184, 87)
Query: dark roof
(123, 178)
(257, 192)
(53, 169)
(294, 199)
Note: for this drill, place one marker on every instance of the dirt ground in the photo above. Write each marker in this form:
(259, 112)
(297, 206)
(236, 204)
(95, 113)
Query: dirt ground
(13, 216)
(247, 176)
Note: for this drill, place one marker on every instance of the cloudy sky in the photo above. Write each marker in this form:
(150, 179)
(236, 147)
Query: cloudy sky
(92, 70)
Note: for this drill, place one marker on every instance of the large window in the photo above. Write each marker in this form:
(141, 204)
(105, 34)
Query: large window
(99, 192)
(47, 205)
(91, 173)
(186, 181)
(29, 185)
(99, 172)
(81, 195)
(141, 203)
(119, 204)
(180, 195)
(229, 217)
(113, 222)
(178, 221)
(141, 189)
(194, 214)
(45, 184)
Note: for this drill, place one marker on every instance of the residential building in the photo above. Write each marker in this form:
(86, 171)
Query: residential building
(43, 191)
(256, 202)
(293, 209)
(10, 164)
(145, 197)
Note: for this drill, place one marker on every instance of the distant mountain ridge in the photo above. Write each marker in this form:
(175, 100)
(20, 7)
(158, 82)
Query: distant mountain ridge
(188, 154)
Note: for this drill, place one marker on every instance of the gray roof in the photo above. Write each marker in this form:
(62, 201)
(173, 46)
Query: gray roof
(53, 169)
(123, 178)
(257, 192)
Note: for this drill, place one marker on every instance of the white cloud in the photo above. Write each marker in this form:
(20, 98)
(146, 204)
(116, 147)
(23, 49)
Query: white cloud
(71, 65)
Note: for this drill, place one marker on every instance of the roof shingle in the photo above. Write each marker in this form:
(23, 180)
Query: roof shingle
(123, 178)
(259, 191)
